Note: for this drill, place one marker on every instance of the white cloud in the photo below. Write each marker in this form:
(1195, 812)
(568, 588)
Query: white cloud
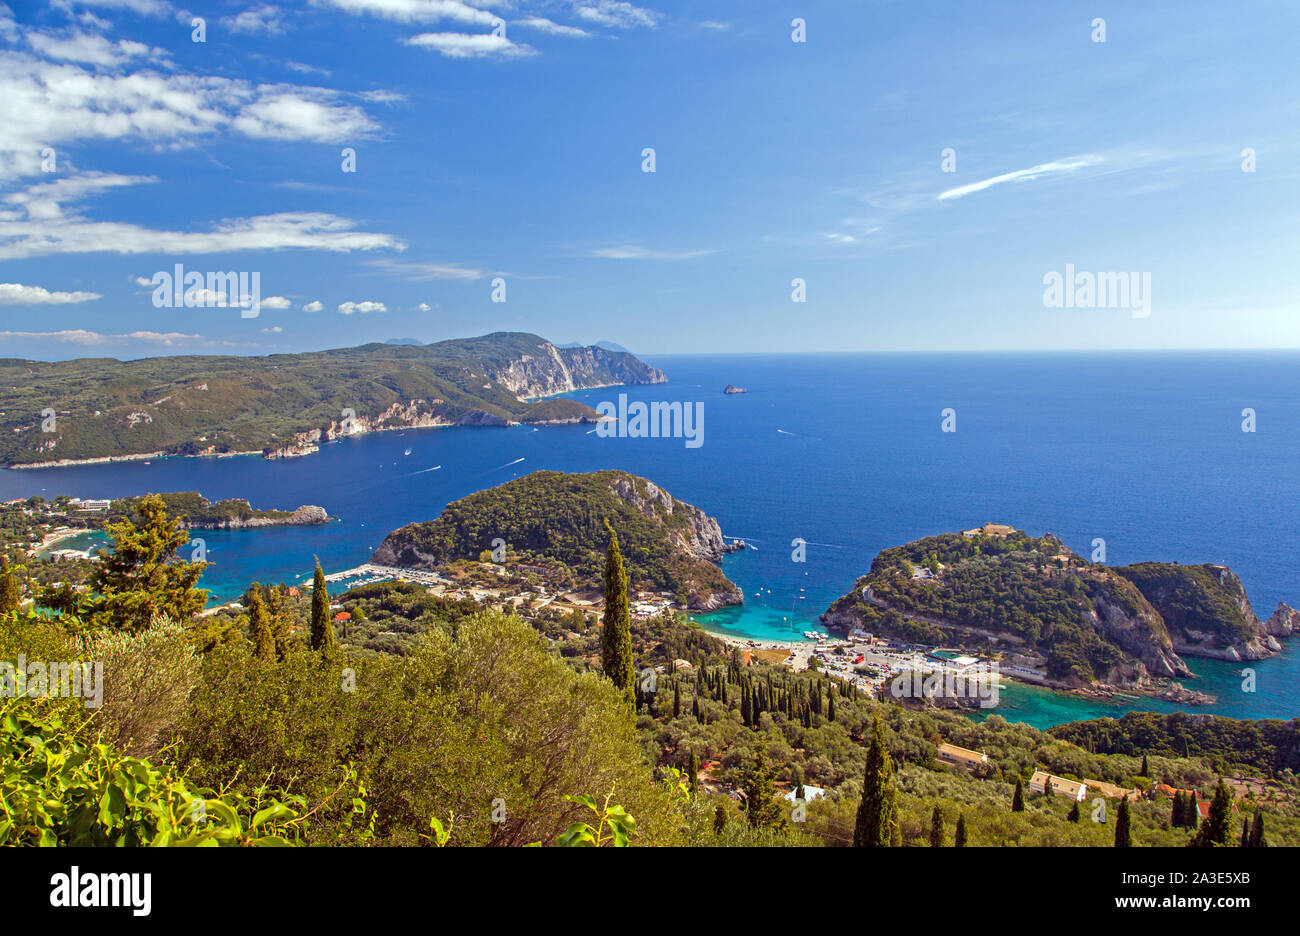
(81, 336)
(542, 24)
(146, 7)
(273, 330)
(276, 302)
(414, 11)
(46, 200)
(1023, 175)
(369, 305)
(424, 307)
(467, 45)
(633, 252)
(265, 18)
(45, 104)
(714, 24)
(616, 13)
(313, 306)
(50, 229)
(18, 294)
(86, 47)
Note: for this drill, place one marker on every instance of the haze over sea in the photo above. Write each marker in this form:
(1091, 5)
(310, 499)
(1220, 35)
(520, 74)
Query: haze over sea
(1144, 450)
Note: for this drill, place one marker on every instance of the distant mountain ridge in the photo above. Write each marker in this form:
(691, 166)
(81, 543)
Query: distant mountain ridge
(607, 345)
(284, 404)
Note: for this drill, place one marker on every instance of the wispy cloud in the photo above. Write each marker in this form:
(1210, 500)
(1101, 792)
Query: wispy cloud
(81, 336)
(470, 45)
(616, 13)
(414, 11)
(423, 272)
(1057, 167)
(542, 24)
(262, 19)
(634, 252)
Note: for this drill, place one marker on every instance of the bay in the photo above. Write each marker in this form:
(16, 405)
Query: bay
(1142, 450)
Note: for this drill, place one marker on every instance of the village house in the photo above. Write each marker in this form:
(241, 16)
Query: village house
(990, 529)
(960, 756)
(1111, 791)
(1070, 789)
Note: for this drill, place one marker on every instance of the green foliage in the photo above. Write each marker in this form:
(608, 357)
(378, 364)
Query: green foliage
(141, 578)
(1269, 744)
(259, 624)
(10, 596)
(1196, 598)
(936, 828)
(613, 826)
(56, 789)
(390, 616)
(761, 806)
(1215, 829)
(463, 720)
(1123, 835)
(195, 510)
(877, 822)
(322, 628)
(616, 626)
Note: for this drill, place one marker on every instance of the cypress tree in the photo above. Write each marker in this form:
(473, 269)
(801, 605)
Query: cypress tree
(259, 624)
(1214, 832)
(1047, 788)
(1073, 815)
(830, 708)
(1145, 771)
(322, 631)
(744, 707)
(279, 622)
(1018, 798)
(1176, 813)
(936, 828)
(616, 624)
(695, 707)
(1245, 833)
(760, 793)
(959, 837)
(677, 698)
(10, 597)
(1257, 839)
(877, 822)
(694, 769)
(1122, 839)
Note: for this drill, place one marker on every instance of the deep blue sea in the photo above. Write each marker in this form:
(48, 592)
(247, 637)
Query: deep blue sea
(1144, 450)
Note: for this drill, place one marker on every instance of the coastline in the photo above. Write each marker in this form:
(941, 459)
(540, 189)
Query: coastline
(144, 456)
(110, 459)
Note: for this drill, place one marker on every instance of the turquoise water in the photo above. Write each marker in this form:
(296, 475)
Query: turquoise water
(845, 452)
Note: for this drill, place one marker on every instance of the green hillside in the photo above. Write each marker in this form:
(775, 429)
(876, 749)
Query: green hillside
(214, 404)
(667, 545)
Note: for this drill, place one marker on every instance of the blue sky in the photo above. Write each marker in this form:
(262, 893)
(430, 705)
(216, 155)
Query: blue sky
(514, 151)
